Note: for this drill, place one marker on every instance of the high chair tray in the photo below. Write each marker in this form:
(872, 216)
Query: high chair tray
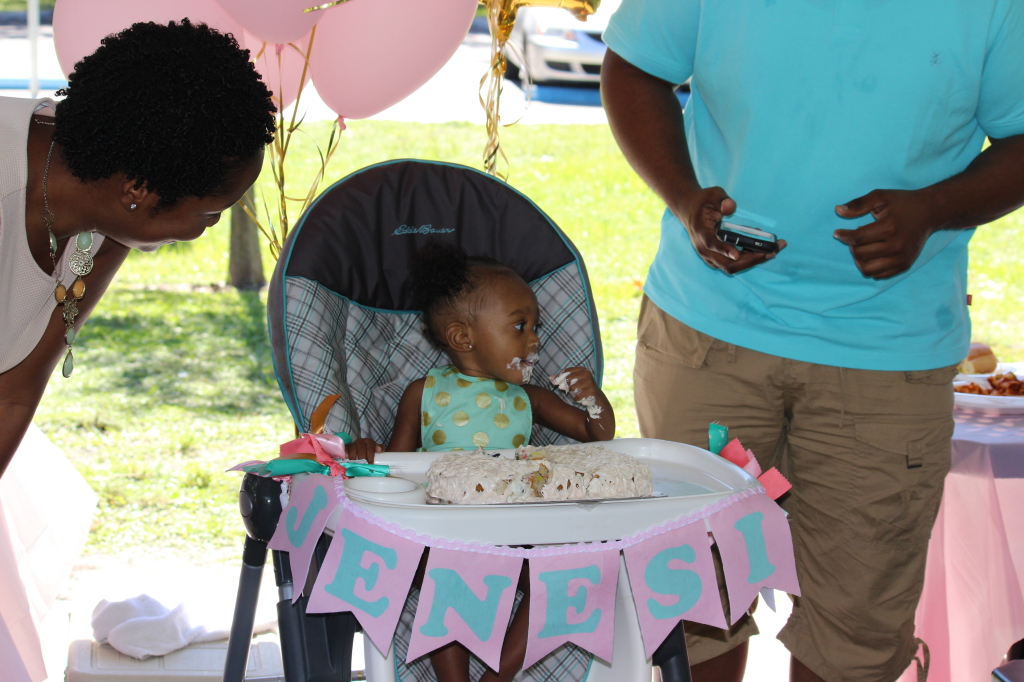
(687, 479)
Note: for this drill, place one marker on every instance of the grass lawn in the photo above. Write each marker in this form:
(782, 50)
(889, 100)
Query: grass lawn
(173, 381)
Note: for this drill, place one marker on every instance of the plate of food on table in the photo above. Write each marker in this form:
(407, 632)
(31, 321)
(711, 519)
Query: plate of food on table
(986, 385)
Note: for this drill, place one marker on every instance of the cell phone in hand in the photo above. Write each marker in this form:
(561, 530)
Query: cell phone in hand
(747, 238)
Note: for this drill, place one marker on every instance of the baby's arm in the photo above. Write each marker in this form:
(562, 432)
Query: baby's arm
(406, 435)
(551, 411)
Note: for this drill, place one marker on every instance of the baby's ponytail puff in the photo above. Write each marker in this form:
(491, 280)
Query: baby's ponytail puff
(440, 273)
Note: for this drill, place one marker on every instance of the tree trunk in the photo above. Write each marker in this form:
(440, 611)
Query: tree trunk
(245, 265)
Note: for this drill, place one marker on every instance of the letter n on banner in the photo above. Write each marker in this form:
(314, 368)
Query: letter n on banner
(757, 550)
(672, 576)
(313, 499)
(572, 599)
(367, 571)
(466, 598)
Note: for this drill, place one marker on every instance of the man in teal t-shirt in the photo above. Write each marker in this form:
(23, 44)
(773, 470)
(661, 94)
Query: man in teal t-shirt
(852, 130)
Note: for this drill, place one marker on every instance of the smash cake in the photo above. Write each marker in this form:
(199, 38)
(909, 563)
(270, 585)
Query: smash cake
(550, 473)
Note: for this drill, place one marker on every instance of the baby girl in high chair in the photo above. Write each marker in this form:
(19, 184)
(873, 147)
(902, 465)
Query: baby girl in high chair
(485, 318)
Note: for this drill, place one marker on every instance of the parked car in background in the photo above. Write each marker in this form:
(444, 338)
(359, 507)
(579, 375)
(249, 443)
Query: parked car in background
(549, 44)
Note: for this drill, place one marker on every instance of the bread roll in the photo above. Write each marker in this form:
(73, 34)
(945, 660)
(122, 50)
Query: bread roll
(980, 360)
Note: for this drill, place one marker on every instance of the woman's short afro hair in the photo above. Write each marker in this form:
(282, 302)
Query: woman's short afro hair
(178, 108)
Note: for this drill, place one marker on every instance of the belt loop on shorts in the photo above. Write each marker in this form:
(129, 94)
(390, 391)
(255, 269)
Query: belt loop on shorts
(914, 459)
(732, 352)
(842, 395)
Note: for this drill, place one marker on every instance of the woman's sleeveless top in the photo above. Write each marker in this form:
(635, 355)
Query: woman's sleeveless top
(460, 412)
(26, 292)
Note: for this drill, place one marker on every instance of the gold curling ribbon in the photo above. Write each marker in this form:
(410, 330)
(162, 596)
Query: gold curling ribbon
(501, 17)
(319, 416)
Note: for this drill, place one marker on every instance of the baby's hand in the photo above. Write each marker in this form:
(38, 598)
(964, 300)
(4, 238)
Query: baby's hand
(579, 383)
(363, 448)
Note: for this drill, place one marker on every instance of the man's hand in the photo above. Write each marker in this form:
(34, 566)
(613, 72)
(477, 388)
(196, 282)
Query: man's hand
(700, 213)
(362, 448)
(891, 244)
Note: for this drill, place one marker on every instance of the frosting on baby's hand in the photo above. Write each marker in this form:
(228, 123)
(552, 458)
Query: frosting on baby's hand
(563, 384)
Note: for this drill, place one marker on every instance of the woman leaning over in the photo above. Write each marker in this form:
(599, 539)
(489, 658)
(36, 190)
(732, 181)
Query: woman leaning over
(160, 130)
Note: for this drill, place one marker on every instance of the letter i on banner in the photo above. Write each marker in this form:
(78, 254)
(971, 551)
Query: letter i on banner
(754, 540)
(367, 571)
(672, 576)
(312, 501)
(466, 598)
(572, 599)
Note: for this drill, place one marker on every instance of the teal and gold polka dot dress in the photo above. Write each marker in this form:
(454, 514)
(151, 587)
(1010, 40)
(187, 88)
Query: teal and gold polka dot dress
(460, 412)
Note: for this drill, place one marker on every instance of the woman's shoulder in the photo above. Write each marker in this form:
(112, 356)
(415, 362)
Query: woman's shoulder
(15, 118)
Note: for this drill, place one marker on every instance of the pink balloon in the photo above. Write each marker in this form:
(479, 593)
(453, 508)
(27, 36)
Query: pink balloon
(275, 21)
(79, 25)
(370, 54)
(281, 67)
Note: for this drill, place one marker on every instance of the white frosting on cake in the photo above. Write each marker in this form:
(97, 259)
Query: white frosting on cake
(569, 472)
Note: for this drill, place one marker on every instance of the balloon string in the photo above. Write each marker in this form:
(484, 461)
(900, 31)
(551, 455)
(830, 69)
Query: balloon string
(493, 82)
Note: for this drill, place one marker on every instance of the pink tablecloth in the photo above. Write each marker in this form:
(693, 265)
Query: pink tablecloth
(972, 608)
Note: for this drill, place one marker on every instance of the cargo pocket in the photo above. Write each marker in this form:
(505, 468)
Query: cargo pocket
(661, 338)
(900, 466)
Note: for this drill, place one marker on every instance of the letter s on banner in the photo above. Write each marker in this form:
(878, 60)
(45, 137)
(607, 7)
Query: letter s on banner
(672, 576)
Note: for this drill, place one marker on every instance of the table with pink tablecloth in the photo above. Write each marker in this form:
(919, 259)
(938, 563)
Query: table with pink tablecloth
(972, 608)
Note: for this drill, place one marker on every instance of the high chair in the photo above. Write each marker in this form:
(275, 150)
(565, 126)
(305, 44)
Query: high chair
(341, 320)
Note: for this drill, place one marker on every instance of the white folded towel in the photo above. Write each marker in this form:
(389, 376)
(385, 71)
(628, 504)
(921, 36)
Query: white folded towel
(141, 627)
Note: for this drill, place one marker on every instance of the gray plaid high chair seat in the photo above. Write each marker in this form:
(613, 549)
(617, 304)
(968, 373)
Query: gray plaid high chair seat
(340, 307)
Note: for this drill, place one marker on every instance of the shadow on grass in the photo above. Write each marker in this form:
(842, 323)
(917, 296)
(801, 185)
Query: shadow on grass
(199, 351)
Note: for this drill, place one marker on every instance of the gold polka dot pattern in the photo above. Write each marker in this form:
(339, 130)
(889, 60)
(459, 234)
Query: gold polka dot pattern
(429, 382)
(480, 439)
(483, 401)
(518, 440)
(462, 383)
(426, 418)
(442, 399)
(439, 438)
(501, 421)
(519, 403)
(460, 418)
(500, 385)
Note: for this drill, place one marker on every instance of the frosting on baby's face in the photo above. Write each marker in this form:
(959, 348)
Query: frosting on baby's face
(525, 366)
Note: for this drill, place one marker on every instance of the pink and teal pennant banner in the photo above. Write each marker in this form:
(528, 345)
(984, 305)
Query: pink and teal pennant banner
(469, 588)
(672, 576)
(754, 540)
(367, 571)
(313, 500)
(572, 599)
(467, 601)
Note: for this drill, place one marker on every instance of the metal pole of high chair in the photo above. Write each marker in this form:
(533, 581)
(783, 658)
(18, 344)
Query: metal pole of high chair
(671, 657)
(259, 501)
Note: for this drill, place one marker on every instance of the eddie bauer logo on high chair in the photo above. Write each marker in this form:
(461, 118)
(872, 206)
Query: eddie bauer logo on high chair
(422, 229)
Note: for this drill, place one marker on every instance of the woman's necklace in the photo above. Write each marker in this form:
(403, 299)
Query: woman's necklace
(80, 263)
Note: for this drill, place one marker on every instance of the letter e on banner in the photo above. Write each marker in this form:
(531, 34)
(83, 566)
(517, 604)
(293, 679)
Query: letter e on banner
(367, 571)
(672, 576)
(312, 501)
(572, 599)
(754, 540)
(466, 598)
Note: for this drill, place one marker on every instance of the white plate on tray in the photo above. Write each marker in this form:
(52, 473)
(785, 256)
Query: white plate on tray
(686, 479)
(989, 404)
